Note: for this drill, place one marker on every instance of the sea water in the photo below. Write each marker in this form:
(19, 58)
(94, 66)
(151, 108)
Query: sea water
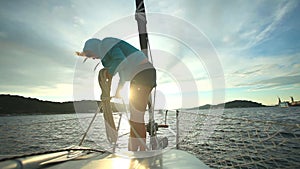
(235, 138)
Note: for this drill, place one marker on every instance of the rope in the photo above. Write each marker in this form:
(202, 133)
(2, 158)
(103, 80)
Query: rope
(87, 130)
(105, 85)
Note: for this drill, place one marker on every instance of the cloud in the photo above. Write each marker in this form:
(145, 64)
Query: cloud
(264, 72)
(234, 26)
(38, 38)
(77, 21)
(279, 83)
(3, 35)
(269, 24)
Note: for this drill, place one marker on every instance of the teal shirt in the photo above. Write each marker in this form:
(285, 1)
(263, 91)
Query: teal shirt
(117, 55)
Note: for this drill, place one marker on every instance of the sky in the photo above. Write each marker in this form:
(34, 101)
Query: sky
(205, 51)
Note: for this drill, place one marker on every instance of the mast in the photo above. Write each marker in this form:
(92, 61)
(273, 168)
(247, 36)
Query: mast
(140, 16)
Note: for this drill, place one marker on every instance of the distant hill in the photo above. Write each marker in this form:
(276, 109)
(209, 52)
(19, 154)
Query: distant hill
(13, 105)
(242, 104)
(233, 104)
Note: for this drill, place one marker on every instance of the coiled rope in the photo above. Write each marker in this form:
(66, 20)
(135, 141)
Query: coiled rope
(105, 84)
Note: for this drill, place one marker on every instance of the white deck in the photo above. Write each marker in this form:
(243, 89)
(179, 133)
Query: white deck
(171, 159)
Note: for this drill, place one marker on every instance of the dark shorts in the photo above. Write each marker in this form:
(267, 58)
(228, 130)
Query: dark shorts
(146, 77)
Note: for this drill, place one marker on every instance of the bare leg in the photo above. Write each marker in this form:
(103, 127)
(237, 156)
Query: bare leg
(138, 102)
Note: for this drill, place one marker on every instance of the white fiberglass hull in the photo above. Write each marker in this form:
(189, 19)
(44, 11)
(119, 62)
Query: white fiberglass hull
(170, 159)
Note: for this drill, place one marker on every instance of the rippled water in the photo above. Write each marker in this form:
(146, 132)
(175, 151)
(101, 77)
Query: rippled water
(236, 138)
(248, 138)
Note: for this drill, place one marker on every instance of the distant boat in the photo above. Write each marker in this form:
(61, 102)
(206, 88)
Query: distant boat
(294, 103)
(288, 104)
(283, 104)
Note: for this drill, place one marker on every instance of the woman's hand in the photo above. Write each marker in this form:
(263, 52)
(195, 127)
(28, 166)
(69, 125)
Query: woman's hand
(80, 53)
(87, 54)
